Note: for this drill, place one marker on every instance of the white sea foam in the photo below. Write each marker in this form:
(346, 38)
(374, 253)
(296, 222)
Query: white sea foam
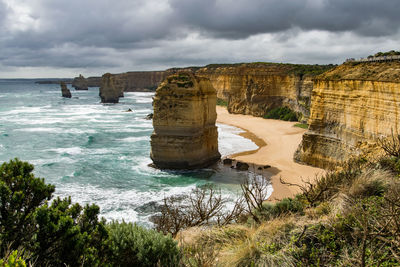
(230, 142)
(57, 130)
(29, 110)
(134, 139)
(68, 150)
(117, 204)
(64, 160)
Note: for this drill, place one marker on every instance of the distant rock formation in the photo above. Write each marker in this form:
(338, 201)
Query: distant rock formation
(80, 83)
(185, 135)
(108, 92)
(65, 91)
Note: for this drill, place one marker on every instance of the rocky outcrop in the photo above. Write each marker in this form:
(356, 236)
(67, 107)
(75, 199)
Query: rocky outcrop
(80, 83)
(65, 92)
(185, 135)
(352, 106)
(256, 88)
(108, 92)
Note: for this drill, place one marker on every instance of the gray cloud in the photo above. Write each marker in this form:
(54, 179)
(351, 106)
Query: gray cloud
(241, 18)
(152, 34)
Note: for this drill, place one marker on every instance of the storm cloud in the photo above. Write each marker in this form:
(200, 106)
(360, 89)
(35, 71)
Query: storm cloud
(103, 35)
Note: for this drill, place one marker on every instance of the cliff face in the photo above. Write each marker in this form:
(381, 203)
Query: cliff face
(139, 80)
(256, 88)
(80, 83)
(185, 135)
(108, 92)
(352, 106)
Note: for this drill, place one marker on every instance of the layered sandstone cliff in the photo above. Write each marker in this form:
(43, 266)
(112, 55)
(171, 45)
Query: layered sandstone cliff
(108, 91)
(256, 88)
(80, 83)
(352, 106)
(185, 135)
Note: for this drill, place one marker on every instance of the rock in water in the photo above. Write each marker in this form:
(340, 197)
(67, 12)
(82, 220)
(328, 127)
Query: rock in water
(80, 83)
(65, 91)
(185, 135)
(108, 92)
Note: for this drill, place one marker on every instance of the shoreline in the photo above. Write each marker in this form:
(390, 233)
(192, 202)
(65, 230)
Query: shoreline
(277, 141)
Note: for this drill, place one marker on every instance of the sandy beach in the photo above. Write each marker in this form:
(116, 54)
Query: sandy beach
(278, 140)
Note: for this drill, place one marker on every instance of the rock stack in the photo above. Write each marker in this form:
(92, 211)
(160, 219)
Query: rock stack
(80, 83)
(185, 135)
(65, 91)
(108, 92)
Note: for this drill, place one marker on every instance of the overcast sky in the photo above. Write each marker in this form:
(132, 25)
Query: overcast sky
(62, 38)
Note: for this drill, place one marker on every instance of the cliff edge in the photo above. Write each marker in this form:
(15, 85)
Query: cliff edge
(352, 106)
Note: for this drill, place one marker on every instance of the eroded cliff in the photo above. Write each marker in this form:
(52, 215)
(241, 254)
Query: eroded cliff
(185, 135)
(352, 106)
(256, 88)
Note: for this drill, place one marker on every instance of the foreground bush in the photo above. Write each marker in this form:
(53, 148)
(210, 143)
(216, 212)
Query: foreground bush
(66, 234)
(132, 245)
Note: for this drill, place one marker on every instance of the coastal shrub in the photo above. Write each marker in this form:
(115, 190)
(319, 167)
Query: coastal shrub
(68, 234)
(281, 113)
(301, 125)
(285, 206)
(203, 206)
(132, 245)
(20, 194)
(221, 102)
(56, 234)
(14, 259)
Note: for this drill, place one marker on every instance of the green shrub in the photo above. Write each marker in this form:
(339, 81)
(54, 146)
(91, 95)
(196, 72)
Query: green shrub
(285, 206)
(301, 125)
(13, 260)
(68, 234)
(281, 113)
(57, 234)
(221, 102)
(20, 194)
(132, 245)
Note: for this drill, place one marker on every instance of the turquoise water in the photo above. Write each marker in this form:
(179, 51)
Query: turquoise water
(98, 153)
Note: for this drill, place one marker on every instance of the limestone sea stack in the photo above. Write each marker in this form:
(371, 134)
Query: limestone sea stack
(185, 135)
(80, 83)
(108, 92)
(65, 91)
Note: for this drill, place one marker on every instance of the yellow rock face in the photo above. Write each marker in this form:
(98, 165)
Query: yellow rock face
(185, 135)
(253, 89)
(348, 116)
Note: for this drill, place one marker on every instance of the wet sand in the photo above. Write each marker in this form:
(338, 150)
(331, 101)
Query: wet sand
(277, 141)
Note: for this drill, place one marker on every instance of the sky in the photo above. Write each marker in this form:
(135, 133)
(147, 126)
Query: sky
(63, 38)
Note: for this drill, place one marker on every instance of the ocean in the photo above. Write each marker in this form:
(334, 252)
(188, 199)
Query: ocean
(98, 153)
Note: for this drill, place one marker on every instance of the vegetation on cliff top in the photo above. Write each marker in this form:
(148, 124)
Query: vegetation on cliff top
(371, 71)
(295, 69)
(389, 53)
